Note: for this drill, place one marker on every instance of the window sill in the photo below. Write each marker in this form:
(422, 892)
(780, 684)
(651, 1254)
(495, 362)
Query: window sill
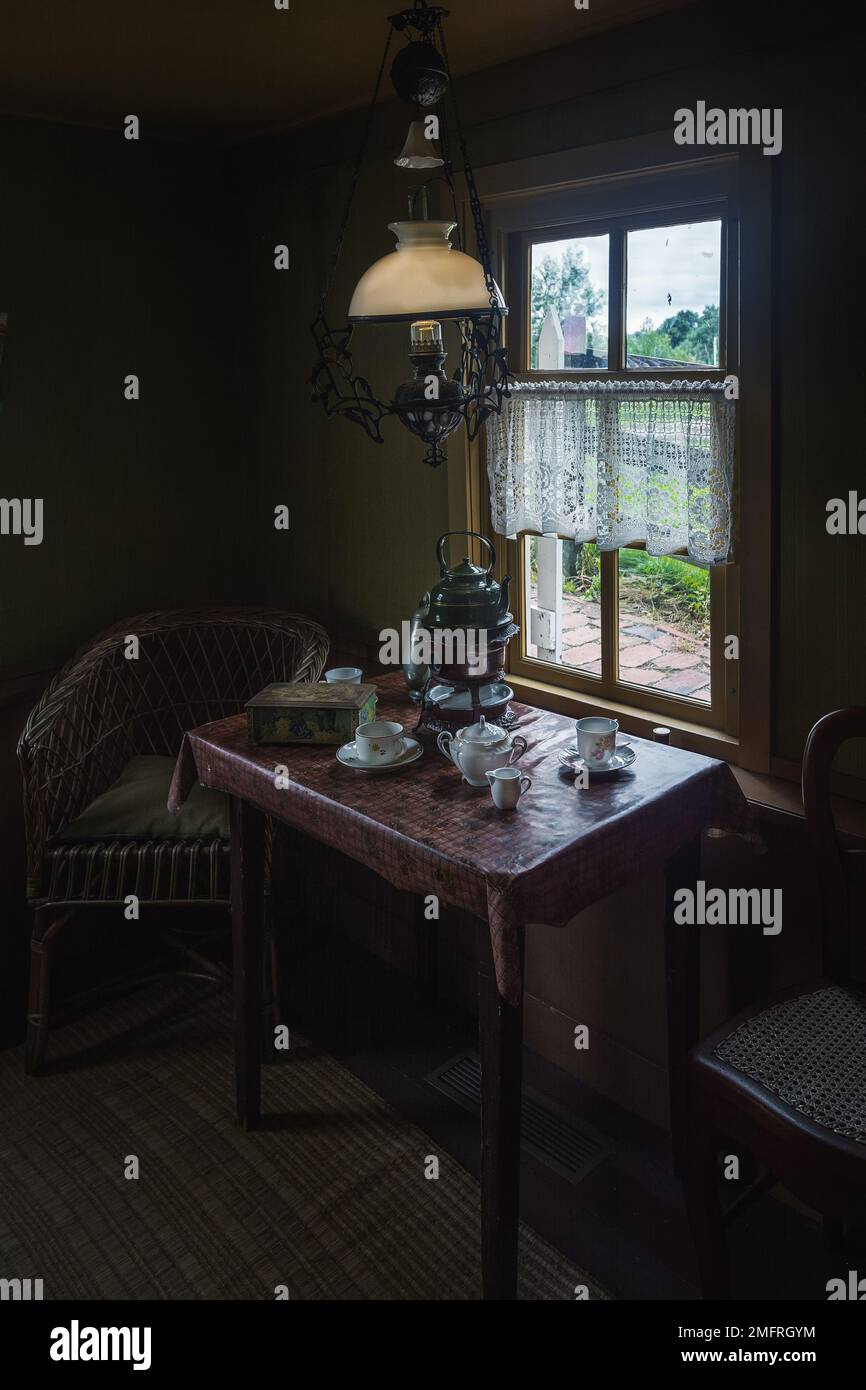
(695, 737)
(778, 794)
(783, 796)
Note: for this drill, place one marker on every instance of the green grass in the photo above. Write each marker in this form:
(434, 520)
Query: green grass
(670, 587)
(659, 586)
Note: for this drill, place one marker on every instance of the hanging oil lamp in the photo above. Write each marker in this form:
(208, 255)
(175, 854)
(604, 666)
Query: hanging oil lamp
(425, 281)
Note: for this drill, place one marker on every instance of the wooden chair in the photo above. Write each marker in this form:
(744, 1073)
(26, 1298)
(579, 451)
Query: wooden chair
(785, 1081)
(97, 754)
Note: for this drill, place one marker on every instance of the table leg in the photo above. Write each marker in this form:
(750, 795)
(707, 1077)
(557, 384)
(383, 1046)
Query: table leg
(270, 986)
(683, 980)
(248, 884)
(427, 954)
(500, 1036)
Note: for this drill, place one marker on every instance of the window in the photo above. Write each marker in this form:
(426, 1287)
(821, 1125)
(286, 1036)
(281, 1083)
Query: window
(673, 293)
(614, 189)
(568, 303)
(663, 629)
(639, 295)
(663, 616)
(671, 279)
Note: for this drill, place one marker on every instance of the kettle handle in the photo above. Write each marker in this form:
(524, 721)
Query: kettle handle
(443, 568)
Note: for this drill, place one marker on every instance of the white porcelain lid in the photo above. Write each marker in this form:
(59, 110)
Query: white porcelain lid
(483, 733)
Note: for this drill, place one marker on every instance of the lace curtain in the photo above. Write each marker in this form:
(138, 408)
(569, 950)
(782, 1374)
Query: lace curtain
(616, 463)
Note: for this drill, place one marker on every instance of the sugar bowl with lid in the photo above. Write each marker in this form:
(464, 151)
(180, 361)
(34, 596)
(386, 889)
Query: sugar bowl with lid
(480, 748)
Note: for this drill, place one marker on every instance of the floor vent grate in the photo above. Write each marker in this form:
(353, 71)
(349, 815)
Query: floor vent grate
(553, 1136)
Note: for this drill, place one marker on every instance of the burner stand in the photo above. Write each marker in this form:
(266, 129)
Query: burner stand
(434, 719)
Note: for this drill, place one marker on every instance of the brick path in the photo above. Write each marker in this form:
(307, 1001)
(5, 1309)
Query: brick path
(653, 654)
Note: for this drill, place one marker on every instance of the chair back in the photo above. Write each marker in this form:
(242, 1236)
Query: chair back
(117, 698)
(841, 871)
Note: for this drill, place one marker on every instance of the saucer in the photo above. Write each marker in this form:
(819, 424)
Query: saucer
(412, 751)
(623, 758)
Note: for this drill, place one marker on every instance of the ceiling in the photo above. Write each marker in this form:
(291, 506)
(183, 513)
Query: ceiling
(232, 68)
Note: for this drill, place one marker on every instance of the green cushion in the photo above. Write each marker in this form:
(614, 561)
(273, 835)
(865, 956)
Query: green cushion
(134, 808)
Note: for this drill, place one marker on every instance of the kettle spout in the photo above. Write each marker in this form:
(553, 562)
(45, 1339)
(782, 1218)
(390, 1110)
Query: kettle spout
(503, 601)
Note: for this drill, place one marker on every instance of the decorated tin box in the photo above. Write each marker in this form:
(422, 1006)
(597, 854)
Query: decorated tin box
(321, 713)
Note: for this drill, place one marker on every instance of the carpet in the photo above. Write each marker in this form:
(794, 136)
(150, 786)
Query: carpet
(330, 1201)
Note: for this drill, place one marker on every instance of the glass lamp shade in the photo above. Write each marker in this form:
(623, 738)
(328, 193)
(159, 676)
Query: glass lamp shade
(418, 152)
(424, 278)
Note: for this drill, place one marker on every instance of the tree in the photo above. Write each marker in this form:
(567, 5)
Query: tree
(698, 345)
(650, 342)
(680, 326)
(685, 337)
(563, 283)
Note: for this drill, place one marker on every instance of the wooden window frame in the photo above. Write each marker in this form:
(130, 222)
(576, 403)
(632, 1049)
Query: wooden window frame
(638, 182)
(518, 257)
(720, 712)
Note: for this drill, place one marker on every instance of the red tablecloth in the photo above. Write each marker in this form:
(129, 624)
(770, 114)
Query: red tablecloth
(426, 831)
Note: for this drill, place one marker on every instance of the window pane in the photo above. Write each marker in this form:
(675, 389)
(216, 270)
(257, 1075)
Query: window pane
(568, 304)
(664, 624)
(673, 294)
(579, 644)
(581, 607)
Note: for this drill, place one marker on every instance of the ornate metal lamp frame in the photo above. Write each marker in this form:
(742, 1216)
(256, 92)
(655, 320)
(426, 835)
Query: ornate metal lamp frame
(483, 371)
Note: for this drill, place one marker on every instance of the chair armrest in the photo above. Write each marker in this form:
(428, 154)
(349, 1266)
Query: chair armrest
(73, 746)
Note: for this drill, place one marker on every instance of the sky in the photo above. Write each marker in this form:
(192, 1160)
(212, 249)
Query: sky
(682, 262)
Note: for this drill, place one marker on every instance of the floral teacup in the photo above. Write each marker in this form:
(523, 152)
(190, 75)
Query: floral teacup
(596, 740)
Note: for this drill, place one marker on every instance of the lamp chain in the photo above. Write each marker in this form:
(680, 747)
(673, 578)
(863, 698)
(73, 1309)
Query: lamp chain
(474, 200)
(356, 171)
(445, 147)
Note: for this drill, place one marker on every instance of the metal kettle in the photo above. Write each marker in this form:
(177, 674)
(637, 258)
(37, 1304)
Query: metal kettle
(467, 596)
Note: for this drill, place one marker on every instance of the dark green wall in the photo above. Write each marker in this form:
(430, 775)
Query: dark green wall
(364, 516)
(115, 258)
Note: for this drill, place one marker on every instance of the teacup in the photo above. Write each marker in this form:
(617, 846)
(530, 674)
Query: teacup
(507, 787)
(344, 673)
(379, 741)
(596, 740)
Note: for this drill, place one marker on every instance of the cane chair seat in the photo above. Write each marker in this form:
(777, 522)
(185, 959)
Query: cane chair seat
(783, 1085)
(809, 1051)
(127, 841)
(136, 807)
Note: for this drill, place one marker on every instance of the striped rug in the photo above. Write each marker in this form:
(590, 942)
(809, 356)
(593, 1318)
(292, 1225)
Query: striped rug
(330, 1202)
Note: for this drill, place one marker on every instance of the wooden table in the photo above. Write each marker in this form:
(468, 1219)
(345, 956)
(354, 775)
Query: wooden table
(425, 831)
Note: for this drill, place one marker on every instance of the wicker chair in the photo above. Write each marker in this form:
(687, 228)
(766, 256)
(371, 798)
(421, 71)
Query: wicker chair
(106, 713)
(784, 1083)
